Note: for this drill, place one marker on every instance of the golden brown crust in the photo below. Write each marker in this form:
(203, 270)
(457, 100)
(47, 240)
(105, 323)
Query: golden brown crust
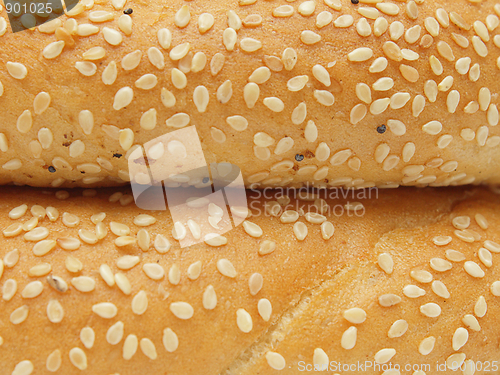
(309, 284)
(472, 155)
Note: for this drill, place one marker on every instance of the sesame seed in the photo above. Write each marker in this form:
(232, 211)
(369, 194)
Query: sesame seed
(471, 322)
(355, 315)
(78, 358)
(73, 265)
(413, 291)
(225, 92)
(432, 127)
(130, 347)
(100, 16)
(495, 288)
(311, 131)
(396, 30)
(53, 50)
(297, 83)
(123, 283)
(409, 73)
(244, 320)
(86, 30)
(445, 51)
(349, 337)
(386, 263)
(380, 26)
(482, 31)
(475, 73)
(94, 53)
(275, 360)
(24, 122)
(109, 74)
(140, 303)
(112, 36)
(440, 265)
(123, 98)
(250, 45)
(383, 84)
(284, 145)
(154, 271)
(32, 290)
(226, 268)
(50, 27)
(115, 333)
(412, 35)
(384, 355)
(4, 143)
(148, 348)
(440, 289)
(398, 328)
(481, 221)
(421, 276)
(233, 20)
(360, 54)
(9, 289)
(473, 269)
(324, 97)
(41, 269)
(300, 230)
(205, 22)
(265, 309)
(54, 361)
(492, 115)
(388, 300)
(431, 310)
(299, 114)
(455, 361)
(452, 101)
(182, 310)
(492, 22)
(170, 340)
(309, 37)
(164, 38)
(161, 244)
(146, 82)
(379, 106)
(432, 26)
(460, 40)
(363, 28)
(479, 46)
(19, 315)
(182, 17)
(334, 4)
(17, 70)
(344, 21)
(289, 58)
(57, 283)
(323, 19)
(399, 100)
(23, 368)
(427, 345)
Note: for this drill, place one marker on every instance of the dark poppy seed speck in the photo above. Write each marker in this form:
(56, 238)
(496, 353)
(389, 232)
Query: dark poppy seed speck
(52, 169)
(381, 129)
(128, 11)
(299, 157)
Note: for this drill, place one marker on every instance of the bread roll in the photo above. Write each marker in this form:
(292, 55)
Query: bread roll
(278, 295)
(328, 93)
